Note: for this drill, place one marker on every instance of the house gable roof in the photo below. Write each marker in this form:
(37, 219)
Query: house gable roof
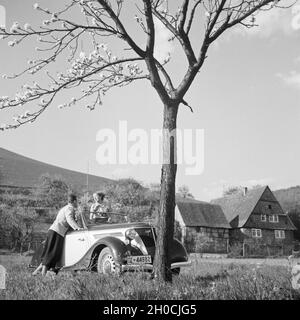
(238, 208)
(201, 214)
(240, 205)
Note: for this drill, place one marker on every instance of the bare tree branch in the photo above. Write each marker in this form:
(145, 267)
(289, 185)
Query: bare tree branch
(182, 16)
(192, 15)
(120, 26)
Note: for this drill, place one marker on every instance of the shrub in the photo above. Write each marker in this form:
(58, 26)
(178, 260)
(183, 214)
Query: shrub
(17, 226)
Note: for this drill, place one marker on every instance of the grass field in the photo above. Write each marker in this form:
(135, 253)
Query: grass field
(210, 279)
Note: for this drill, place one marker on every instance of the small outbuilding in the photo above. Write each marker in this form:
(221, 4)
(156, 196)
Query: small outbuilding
(202, 226)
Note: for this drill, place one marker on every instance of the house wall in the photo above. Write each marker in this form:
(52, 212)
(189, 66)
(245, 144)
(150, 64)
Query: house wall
(267, 245)
(206, 240)
(254, 221)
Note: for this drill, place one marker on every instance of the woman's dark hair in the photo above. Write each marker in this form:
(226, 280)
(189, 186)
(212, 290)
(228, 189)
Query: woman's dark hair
(71, 198)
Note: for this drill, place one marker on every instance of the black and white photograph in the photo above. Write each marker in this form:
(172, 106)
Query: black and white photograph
(149, 152)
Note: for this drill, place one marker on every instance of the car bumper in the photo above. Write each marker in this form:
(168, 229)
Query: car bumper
(149, 267)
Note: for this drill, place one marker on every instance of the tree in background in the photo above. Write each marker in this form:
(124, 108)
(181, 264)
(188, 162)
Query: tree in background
(239, 190)
(129, 197)
(184, 192)
(17, 226)
(98, 71)
(52, 191)
(232, 190)
(127, 192)
(294, 215)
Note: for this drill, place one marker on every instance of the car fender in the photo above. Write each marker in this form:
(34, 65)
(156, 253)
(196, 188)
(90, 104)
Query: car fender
(178, 252)
(117, 247)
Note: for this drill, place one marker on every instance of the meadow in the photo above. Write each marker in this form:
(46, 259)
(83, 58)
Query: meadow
(206, 279)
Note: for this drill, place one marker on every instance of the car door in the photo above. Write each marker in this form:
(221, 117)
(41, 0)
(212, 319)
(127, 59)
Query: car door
(75, 246)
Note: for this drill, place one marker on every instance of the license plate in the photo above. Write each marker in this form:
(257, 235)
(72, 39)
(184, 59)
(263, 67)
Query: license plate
(139, 259)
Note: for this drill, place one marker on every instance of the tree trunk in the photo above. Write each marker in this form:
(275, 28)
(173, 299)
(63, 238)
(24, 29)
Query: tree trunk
(165, 226)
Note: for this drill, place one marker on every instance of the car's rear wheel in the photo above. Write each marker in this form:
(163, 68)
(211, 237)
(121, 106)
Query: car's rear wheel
(176, 271)
(106, 263)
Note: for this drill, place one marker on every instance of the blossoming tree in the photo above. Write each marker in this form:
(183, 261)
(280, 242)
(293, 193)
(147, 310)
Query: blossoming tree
(99, 70)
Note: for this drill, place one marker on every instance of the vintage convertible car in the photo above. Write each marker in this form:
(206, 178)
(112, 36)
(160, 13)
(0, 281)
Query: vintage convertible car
(113, 247)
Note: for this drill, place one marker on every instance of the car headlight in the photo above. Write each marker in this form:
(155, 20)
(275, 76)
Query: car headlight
(131, 234)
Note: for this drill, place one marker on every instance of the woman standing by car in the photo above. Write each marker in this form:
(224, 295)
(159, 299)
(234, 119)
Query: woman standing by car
(55, 237)
(98, 210)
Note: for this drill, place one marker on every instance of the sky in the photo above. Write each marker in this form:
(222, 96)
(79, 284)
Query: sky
(246, 101)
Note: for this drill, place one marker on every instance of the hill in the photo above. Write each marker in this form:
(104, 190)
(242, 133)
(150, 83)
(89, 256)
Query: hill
(19, 171)
(288, 198)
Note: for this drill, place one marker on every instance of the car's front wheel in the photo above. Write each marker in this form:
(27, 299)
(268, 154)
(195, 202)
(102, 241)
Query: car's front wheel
(106, 263)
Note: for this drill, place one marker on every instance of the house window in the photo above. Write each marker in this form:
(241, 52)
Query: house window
(269, 206)
(263, 217)
(256, 233)
(279, 234)
(273, 218)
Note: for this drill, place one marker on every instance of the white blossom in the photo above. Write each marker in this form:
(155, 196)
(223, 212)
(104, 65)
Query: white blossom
(103, 46)
(27, 26)
(12, 43)
(167, 58)
(15, 27)
(53, 17)
(36, 6)
(82, 55)
(46, 22)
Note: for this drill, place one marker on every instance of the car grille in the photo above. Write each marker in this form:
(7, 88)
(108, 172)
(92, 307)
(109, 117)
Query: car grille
(147, 237)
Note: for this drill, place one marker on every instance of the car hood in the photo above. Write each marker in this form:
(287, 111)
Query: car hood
(108, 226)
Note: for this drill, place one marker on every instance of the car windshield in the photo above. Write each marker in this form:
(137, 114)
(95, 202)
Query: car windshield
(112, 217)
